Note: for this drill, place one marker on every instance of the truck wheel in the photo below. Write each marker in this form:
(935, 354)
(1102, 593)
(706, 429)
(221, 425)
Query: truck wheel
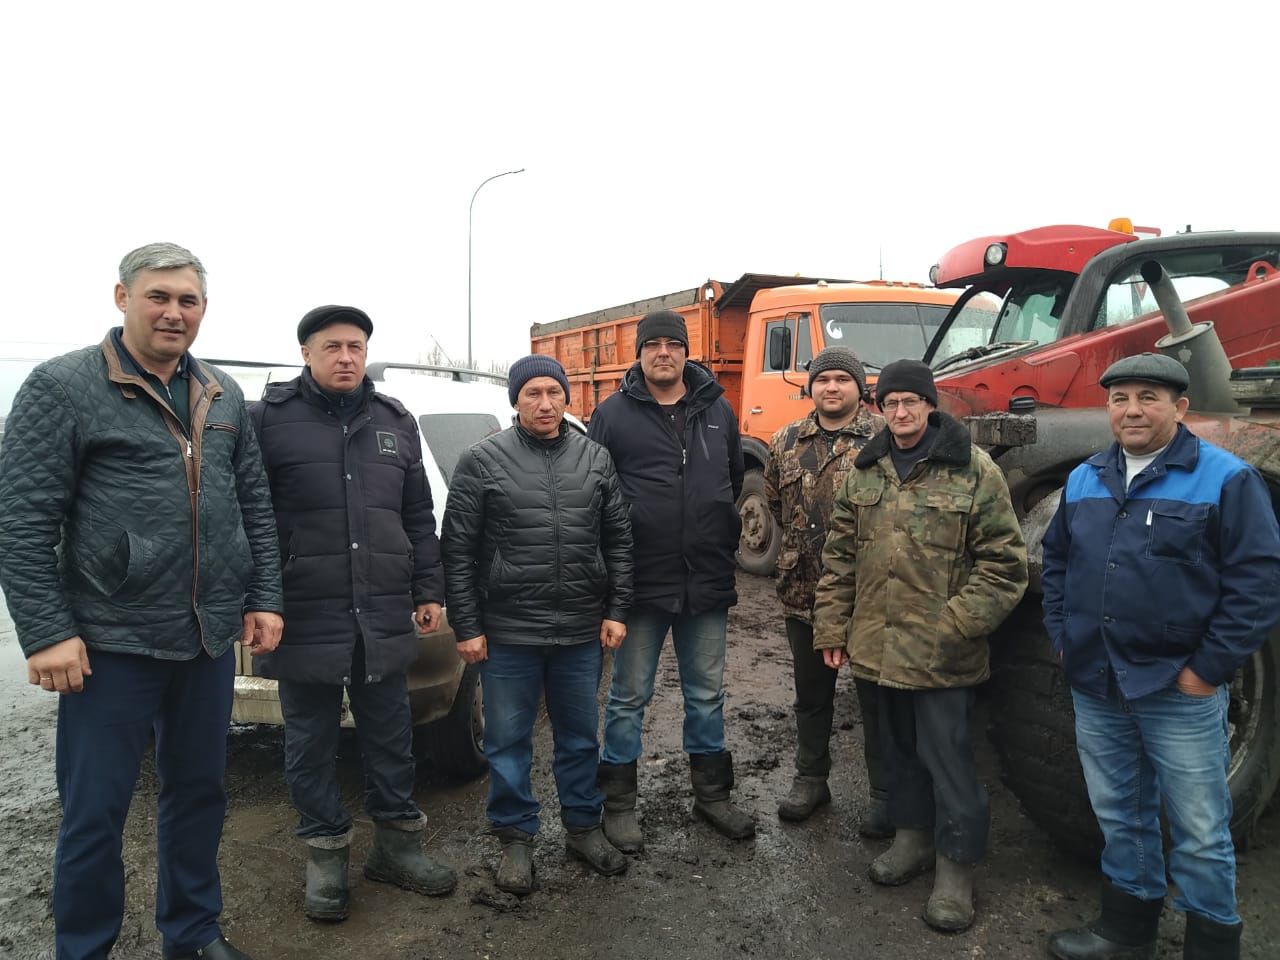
(455, 742)
(1033, 729)
(761, 539)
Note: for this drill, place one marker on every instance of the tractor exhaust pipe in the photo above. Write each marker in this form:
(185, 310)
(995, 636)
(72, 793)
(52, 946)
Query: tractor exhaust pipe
(1195, 345)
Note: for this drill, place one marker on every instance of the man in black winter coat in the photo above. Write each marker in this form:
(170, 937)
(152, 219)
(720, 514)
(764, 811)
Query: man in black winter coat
(537, 552)
(361, 570)
(674, 439)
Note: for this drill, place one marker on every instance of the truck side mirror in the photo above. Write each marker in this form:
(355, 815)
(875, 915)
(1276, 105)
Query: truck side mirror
(779, 348)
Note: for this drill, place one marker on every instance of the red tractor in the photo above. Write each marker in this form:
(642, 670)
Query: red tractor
(1044, 313)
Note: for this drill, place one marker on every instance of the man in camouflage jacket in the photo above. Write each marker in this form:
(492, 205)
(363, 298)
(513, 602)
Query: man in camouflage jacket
(808, 461)
(923, 560)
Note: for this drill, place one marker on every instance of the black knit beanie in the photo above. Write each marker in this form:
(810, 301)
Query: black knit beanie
(328, 315)
(839, 358)
(535, 365)
(906, 376)
(662, 323)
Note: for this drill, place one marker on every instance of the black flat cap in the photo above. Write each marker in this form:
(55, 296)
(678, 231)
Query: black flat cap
(1151, 367)
(328, 315)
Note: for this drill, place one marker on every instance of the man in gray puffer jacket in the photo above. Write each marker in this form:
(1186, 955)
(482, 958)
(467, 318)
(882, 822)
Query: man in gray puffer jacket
(537, 555)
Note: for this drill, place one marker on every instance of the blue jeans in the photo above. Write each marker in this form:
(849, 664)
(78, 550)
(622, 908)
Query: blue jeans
(103, 734)
(1166, 746)
(700, 645)
(514, 678)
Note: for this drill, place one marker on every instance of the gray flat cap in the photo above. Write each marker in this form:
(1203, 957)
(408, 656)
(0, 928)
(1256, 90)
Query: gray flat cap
(1153, 367)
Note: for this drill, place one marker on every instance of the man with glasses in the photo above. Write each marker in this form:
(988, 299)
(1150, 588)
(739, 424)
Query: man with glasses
(924, 558)
(674, 439)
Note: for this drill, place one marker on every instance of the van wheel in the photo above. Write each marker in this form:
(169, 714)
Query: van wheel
(761, 539)
(456, 741)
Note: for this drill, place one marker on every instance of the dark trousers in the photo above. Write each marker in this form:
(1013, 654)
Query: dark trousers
(933, 783)
(384, 730)
(815, 684)
(103, 734)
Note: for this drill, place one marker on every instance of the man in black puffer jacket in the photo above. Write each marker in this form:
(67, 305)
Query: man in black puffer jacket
(675, 441)
(361, 567)
(537, 552)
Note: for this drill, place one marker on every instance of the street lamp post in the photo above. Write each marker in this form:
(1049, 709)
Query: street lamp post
(505, 173)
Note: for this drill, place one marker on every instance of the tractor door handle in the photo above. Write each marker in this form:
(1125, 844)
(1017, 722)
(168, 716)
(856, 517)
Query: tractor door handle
(757, 409)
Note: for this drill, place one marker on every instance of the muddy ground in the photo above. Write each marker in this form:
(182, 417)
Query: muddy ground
(793, 892)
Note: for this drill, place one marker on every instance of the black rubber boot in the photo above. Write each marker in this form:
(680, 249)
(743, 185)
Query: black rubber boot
(877, 824)
(712, 777)
(1125, 930)
(515, 868)
(618, 783)
(589, 845)
(807, 795)
(396, 857)
(220, 949)
(327, 893)
(1209, 940)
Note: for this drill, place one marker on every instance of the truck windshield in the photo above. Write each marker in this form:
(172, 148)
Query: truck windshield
(981, 323)
(880, 333)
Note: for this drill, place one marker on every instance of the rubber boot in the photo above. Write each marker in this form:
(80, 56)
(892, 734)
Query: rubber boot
(515, 868)
(220, 949)
(950, 907)
(327, 894)
(589, 845)
(807, 795)
(877, 824)
(1209, 940)
(910, 855)
(396, 857)
(712, 777)
(618, 783)
(1124, 930)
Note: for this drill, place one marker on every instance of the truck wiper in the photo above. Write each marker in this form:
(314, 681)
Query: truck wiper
(982, 350)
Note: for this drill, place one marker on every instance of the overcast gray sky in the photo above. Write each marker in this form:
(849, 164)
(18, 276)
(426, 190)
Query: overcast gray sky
(327, 152)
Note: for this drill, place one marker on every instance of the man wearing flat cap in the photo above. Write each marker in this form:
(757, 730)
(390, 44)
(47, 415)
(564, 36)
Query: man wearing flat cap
(1161, 568)
(362, 570)
(808, 461)
(537, 549)
(924, 558)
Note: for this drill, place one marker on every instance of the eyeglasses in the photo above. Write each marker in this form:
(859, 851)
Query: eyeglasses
(673, 346)
(909, 404)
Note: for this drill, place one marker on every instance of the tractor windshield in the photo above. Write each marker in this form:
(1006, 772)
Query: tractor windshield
(982, 323)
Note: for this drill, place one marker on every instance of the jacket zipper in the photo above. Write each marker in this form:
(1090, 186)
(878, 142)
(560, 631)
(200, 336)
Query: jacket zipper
(555, 522)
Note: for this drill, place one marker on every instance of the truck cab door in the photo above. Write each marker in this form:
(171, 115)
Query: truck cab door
(773, 390)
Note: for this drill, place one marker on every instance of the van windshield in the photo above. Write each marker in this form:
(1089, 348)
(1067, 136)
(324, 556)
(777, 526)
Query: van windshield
(880, 333)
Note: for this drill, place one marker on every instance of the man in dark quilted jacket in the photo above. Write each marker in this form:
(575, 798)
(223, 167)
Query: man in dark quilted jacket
(361, 569)
(136, 548)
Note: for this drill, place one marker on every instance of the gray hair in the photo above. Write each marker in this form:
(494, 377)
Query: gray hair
(161, 256)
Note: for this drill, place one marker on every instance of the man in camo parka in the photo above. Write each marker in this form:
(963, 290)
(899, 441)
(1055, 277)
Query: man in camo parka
(923, 560)
(808, 461)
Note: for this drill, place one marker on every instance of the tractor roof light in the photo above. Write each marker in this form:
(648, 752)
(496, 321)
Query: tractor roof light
(933, 274)
(995, 254)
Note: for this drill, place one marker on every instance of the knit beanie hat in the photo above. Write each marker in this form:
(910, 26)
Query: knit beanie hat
(839, 358)
(906, 376)
(662, 323)
(328, 315)
(535, 365)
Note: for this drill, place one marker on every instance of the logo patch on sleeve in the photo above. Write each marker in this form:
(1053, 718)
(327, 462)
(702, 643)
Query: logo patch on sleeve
(387, 444)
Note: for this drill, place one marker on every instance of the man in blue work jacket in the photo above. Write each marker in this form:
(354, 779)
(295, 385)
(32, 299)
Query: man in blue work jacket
(1160, 574)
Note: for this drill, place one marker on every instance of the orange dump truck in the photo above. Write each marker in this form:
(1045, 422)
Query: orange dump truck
(757, 336)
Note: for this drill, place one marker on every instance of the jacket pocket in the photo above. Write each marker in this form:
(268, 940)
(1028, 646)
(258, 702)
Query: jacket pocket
(1175, 531)
(863, 497)
(945, 520)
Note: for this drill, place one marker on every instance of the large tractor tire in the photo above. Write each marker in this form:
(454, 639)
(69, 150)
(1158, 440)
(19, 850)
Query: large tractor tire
(1033, 729)
(761, 539)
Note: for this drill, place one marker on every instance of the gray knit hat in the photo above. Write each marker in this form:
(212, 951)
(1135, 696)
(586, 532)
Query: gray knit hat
(839, 358)
(534, 365)
(1152, 367)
